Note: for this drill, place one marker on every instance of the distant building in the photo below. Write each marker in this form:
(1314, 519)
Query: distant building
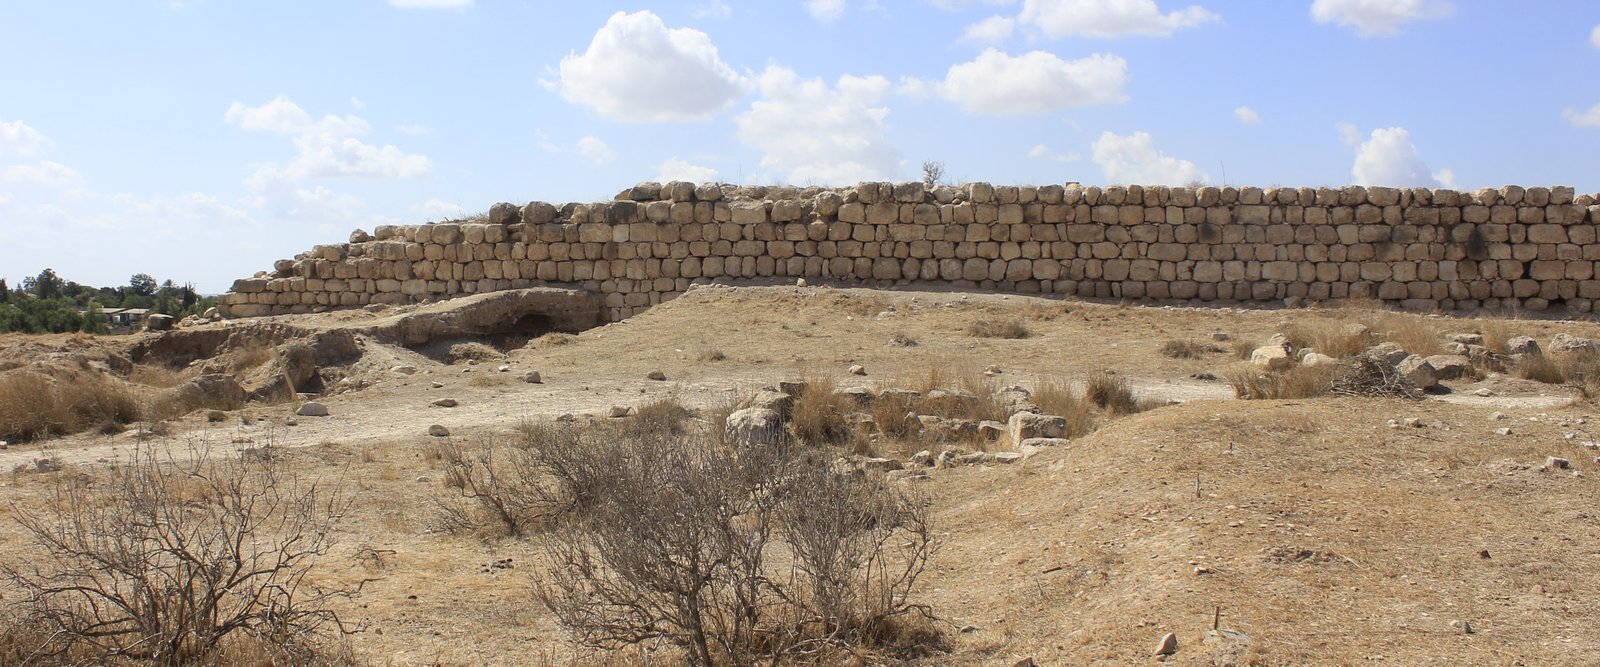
(125, 317)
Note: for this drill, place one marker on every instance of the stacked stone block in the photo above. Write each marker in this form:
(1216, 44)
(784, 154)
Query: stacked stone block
(1423, 249)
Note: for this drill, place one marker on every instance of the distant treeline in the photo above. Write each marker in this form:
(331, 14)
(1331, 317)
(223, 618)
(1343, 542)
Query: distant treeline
(46, 303)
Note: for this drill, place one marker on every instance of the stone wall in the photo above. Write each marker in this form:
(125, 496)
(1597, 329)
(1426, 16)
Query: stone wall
(1532, 248)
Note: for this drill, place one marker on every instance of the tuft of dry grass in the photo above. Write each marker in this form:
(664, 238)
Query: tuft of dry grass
(1056, 396)
(1187, 349)
(1242, 347)
(1414, 334)
(821, 414)
(156, 375)
(1251, 383)
(1007, 327)
(1111, 393)
(662, 415)
(249, 357)
(1335, 338)
(1540, 368)
(1496, 333)
(471, 351)
(709, 356)
(33, 406)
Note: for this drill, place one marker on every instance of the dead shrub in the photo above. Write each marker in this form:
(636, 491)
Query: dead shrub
(497, 488)
(181, 559)
(156, 375)
(1008, 328)
(34, 406)
(1187, 349)
(471, 351)
(712, 356)
(1251, 383)
(1242, 348)
(1583, 373)
(664, 415)
(821, 415)
(1368, 377)
(732, 557)
(900, 339)
(1496, 334)
(249, 357)
(1539, 368)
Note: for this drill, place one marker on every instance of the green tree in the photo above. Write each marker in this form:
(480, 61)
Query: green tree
(47, 285)
(142, 284)
(94, 320)
(5, 292)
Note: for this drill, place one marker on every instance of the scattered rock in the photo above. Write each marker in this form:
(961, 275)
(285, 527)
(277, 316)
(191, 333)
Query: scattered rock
(1556, 463)
(423, 479)
(445, 403)
(404, 370)
(992, 371)
(922, 459)
(861, 395)
(533, 377)
(1498, 416)
(771, 399)
(946, 458)
(620, 411)
(438, 431)
(973, 458)
(1467, 338)
(1484, 392)
(858, 369)
(504, 368)
(47, 465)
(1006, 458)
(1388, 353)
(1419, 372)
(991, 430)
(1522, 346)
(752, 427)
(1025, 662)
(436, 384)
(1317, 359)
(792, 387)
(1025, 425)
(1450, 366)
(158, 322)
(880, 465)
(658, 376)
(800, 282)
(1413, 422)
(1565, 343)
(1168, 644)
(1044, 442)
(1271, 357)
(312, 409)
(1220, 337)
(1506, 430)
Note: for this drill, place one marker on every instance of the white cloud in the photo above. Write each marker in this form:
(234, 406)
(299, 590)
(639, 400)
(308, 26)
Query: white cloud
(992, 29)
(675, 169)
(1134, 159)
(1594, 37)
(1447, 178)
(960, 5)
(431, 4)
(1043, 152)
(326, 148)
(1587, 118)
(1109, 19)
(412, 129)
(16, 138)
(638, 70)
(1349, 134)
(825, 10)
(595, 151)
(1389, 158)
(1378, 18)
(357, 103)
(713, 9)
(437, 209)
(1247, 116)
(998, 84)
(813, 133)
(45, 174)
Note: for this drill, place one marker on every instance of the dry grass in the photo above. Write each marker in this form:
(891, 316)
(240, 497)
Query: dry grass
(1251, 383)
(1005, 327)
(1495, 335)
(1112, 393)
(712, 356)
(1335, 338)
(249, 357)
(662, 415)
(1540, 368)
(471, 351)
(156, 375)
(1415, 334)
(821, 414)
(1187, 349)
(1056, 396)
(1242, 347)
(34, 406)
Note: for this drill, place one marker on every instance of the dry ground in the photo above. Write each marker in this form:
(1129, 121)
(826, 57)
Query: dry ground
(1324, 535)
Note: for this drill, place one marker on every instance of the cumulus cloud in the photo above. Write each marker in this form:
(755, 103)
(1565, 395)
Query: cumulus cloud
(1388, 158)
(431, 4)
(16, 138)
(998, 84)
(1043, 152)
(676, 169)
(1247, 116)
(811, 132)
(438, 209)
(825, 10)
(992, 29)
(1378, 18)
(1110, 19)
(1349, 134)
(640, 71)
(45, 174)
(1586, 118)
(1135, 159)
(325, 148)
(1594, 37)
(594, 150)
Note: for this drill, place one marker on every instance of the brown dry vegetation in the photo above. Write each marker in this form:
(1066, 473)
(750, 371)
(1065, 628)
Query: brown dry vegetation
(1324, 535)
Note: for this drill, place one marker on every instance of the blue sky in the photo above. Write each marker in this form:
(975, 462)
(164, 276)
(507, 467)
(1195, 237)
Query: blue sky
(202, 139)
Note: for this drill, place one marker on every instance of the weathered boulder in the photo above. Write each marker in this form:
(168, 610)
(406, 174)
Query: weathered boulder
(159, 322)
(1273, 356)
(776, 401)
(312, 409)
(1565, 343)
(1025, 425)
(1314, 359)
(1450, 366)
(1522, 346)
(1389, 354)
(752, 427)
(1419, 372)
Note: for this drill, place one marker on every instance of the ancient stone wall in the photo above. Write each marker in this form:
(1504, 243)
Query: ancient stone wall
(1532, 248)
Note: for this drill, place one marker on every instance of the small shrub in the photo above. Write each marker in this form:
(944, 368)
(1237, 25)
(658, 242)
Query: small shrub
(471, 351)
(999, 328)
(1187, 349)
(34, 406)
(1496, 333)
(712, 356)
(499, 487)
(899, 339)
(1414, 334)
(181, 560)
(662, 415)
(1334, 338)
(1250, 383)
(154, 375)
(1243, 347)
(1583, 373)
(1540, 368)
